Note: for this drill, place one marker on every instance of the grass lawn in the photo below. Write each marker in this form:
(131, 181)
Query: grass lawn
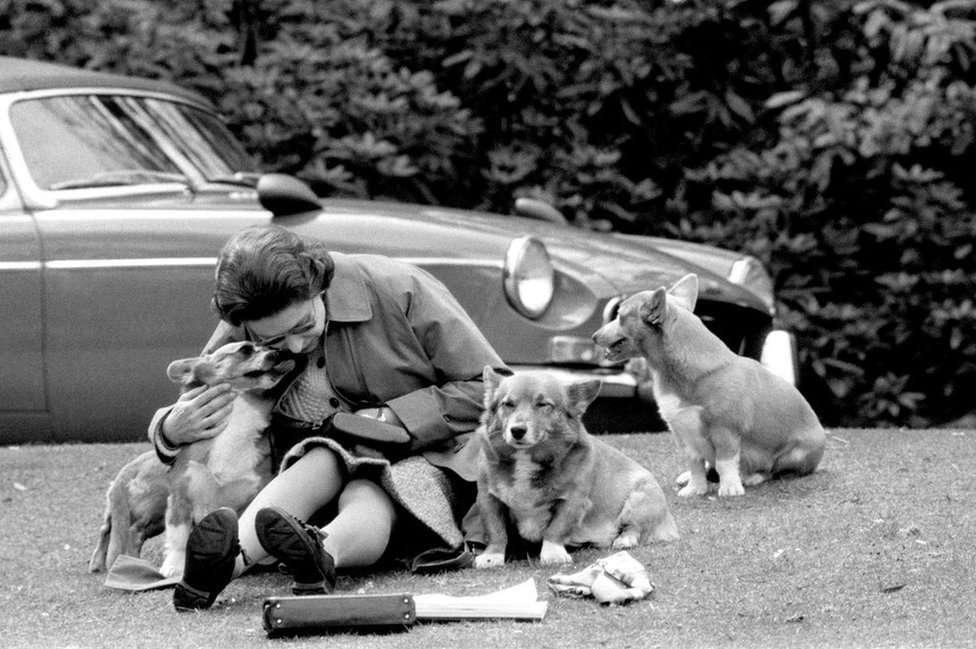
(874, 550)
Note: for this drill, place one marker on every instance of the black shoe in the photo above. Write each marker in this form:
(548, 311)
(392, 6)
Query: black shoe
(211, 551)
(298, 545)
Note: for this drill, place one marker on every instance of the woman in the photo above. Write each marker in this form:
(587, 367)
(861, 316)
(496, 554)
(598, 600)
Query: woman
(382, 339)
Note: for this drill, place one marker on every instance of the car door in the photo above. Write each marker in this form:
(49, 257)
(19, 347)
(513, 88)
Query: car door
(23, 403)
(126, 291)
(131, 194)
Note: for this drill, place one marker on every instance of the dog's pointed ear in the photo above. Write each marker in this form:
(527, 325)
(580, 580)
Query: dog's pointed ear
(685, 291)
(492, 379)
(582, 393)
(654, 308)
(187, 371)
(180, 371)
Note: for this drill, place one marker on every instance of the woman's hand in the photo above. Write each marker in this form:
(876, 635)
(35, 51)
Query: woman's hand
(200, 413)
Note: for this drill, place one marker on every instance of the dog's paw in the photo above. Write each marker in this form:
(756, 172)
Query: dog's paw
(625, 541)
(172, 566)
(754, 479)
(683, 478)
(554, 553)
(692, 489)
(728, 488)
(489, 560)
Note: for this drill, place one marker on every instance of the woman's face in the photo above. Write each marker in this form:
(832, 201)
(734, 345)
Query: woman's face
(296, 328)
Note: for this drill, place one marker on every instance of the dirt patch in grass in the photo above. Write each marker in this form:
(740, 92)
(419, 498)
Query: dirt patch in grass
(874, 550)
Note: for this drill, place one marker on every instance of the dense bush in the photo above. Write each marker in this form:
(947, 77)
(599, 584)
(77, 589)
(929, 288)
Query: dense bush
(863, 207)
(830, 139)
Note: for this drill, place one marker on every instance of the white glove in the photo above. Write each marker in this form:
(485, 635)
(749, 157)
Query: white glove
(616, 579)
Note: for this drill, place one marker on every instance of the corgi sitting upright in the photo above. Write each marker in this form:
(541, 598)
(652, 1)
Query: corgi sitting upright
(540, 470)
(227, 470)
(727, 411)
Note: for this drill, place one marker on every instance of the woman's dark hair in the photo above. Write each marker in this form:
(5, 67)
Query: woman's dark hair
(265, 269)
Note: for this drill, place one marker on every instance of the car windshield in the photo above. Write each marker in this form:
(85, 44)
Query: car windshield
(80, 141)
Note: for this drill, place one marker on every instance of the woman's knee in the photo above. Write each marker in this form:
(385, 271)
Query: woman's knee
(318, 458)
(365, 492)
(317, 476)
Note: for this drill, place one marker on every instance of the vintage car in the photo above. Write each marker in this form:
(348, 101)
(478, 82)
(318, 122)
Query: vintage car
(116, 194)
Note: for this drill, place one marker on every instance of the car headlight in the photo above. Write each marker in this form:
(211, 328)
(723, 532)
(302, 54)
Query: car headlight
(779, 355)
(750, 274)
(529, 278)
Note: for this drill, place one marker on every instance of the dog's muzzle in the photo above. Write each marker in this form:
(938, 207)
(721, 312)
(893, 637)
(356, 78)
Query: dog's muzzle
(517, 436)
(281, 362)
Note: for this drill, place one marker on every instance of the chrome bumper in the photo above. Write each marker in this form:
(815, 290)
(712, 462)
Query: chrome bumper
(616, 384)
(778, 355)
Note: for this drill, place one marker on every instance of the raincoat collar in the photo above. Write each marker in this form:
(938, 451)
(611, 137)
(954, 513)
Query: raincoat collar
(347, 298)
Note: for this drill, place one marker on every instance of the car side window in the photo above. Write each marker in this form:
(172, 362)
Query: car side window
(83, 141)
(89, 141)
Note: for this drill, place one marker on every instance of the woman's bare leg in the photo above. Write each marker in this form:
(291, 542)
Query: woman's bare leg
(360, 532)
(305, 487)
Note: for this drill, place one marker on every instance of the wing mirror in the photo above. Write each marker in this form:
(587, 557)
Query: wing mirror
(285, 195)
(536, 209)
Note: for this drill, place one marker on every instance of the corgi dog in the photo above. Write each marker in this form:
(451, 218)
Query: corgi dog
(728, 412)
(148, 497)
(540, 470)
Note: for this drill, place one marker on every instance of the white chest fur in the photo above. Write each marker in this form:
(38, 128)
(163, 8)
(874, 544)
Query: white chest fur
(235, 453)
(523, 472)
(683, 417)
(525, 501)
(669, 404)
(521, 491)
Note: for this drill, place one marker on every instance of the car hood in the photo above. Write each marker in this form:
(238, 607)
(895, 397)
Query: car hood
(610, 265)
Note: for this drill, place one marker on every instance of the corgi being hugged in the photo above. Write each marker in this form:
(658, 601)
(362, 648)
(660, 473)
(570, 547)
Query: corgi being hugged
(541, 470)
(726, 411)
(148, 497)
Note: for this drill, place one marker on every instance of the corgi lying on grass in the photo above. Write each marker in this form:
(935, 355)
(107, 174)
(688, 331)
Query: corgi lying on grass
(148, 497)
(542, 472)
(727, 411)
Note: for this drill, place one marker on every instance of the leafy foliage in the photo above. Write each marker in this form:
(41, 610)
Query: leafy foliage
(860, 207)
(831, 139)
